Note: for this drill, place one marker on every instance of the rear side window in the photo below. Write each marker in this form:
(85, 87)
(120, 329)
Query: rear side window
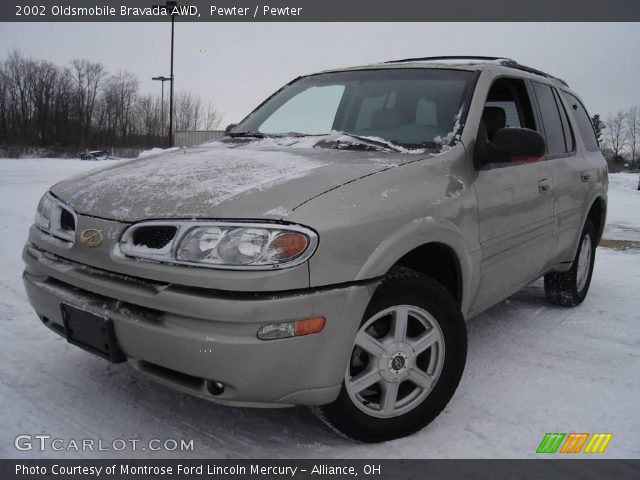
(553, 127)
(569, 137)
(582, 119)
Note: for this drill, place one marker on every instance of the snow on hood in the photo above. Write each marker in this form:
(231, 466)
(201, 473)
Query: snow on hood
(262, 178)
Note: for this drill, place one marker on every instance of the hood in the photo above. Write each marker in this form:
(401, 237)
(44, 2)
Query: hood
(257, 179)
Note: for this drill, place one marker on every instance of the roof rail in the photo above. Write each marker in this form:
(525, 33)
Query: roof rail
(514, 64)
(448, 57)
(504, 61)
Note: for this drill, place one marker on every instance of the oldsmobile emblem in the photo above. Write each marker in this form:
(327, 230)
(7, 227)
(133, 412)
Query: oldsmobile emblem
(91, 238)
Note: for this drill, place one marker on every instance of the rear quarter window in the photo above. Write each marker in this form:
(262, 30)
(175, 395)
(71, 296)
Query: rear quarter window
(551, 119)
(582, 119)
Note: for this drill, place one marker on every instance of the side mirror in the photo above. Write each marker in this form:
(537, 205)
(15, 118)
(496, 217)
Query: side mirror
(512, 145)
(227, 130)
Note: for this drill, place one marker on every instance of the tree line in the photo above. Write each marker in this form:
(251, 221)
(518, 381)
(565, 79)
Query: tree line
(619, 137)
(81, 105)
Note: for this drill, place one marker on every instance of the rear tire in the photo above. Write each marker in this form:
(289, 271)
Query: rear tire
(412, 331)
(570, 288)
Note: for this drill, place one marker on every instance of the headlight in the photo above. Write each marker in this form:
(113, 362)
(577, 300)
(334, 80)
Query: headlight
(230, 245)
(55, 218)
(43, 212)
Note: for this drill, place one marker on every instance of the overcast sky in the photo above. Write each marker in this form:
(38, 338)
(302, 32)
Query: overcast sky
(237, 65)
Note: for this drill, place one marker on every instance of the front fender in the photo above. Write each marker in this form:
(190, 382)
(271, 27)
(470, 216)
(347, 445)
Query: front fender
(417, 233)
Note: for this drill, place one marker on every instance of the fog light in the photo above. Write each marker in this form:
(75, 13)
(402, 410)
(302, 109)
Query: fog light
(291, 329)
(277, 330)
(215, 388)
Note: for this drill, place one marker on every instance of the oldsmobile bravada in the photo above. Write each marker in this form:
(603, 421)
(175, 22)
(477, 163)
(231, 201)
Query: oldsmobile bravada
(328, 250)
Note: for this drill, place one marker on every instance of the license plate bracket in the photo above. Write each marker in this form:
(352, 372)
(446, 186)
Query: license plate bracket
(91, 332)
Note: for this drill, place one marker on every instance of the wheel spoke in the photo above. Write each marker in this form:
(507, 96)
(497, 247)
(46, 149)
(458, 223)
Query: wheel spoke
(389, 397)
(584, 263)
(369, 344)
(380, 371)
(364, 380)
(424, 341)
(400, 321)
(420, 378)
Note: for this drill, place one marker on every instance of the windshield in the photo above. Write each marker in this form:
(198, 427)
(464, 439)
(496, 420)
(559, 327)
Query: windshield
(408, 107)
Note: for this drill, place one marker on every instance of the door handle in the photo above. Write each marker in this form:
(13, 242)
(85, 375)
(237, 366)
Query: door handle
(585, 176)
(544, 185)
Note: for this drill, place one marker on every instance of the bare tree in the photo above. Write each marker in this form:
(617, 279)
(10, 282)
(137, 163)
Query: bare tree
(41, 77)
(4, 99)
(125, 87)
(82, 106)
(212, 118)
(18, 91)
(616, 135)
(633, 133)
(186, 110)
(148, 117)
(87, 79)
(62, 124)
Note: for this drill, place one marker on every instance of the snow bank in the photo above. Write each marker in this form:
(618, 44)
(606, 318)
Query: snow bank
(623, 216)
(156, 151)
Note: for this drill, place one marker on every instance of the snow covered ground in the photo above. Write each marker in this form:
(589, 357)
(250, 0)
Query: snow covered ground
(532, 367)
(624, 222)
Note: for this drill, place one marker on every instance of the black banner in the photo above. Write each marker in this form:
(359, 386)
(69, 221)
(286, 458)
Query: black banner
(323, 469)
(320, 11)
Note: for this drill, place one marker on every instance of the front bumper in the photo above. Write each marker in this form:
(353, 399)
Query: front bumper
(189, 337)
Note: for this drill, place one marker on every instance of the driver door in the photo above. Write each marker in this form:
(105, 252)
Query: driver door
(515, 202)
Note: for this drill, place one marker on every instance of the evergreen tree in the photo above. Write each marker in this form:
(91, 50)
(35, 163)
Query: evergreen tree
(598, 125)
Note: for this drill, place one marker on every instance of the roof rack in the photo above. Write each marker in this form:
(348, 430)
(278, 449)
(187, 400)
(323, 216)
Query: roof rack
(514, 64)
(447, 57)
(505, 62)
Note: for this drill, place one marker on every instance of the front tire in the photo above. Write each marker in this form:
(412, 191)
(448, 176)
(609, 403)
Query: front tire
(570, 288)
(408, 358)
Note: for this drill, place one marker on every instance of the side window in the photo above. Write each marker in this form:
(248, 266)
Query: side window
(569, 137)
(582, 119)
(551, 120)
(512, 119)
(507, 105)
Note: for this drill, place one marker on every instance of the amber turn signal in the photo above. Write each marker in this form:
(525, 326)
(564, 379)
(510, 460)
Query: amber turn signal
(309, 326)
(290, 245)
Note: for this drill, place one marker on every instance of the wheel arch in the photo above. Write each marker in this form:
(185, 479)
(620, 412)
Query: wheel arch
(438, 261)
(598, 214)
(434, 247)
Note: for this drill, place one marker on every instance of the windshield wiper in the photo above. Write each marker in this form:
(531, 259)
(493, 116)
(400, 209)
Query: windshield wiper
(419, 146)
(272, 135)
(247, 135)
(368, 142)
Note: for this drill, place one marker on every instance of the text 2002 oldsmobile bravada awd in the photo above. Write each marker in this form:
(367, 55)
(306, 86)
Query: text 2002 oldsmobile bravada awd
(328, 250)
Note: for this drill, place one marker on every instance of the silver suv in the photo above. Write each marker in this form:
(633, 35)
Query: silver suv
(328, 250)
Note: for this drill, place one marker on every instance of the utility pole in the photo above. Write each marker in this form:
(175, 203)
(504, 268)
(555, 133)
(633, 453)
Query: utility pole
(162, 79)
(169, 5)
